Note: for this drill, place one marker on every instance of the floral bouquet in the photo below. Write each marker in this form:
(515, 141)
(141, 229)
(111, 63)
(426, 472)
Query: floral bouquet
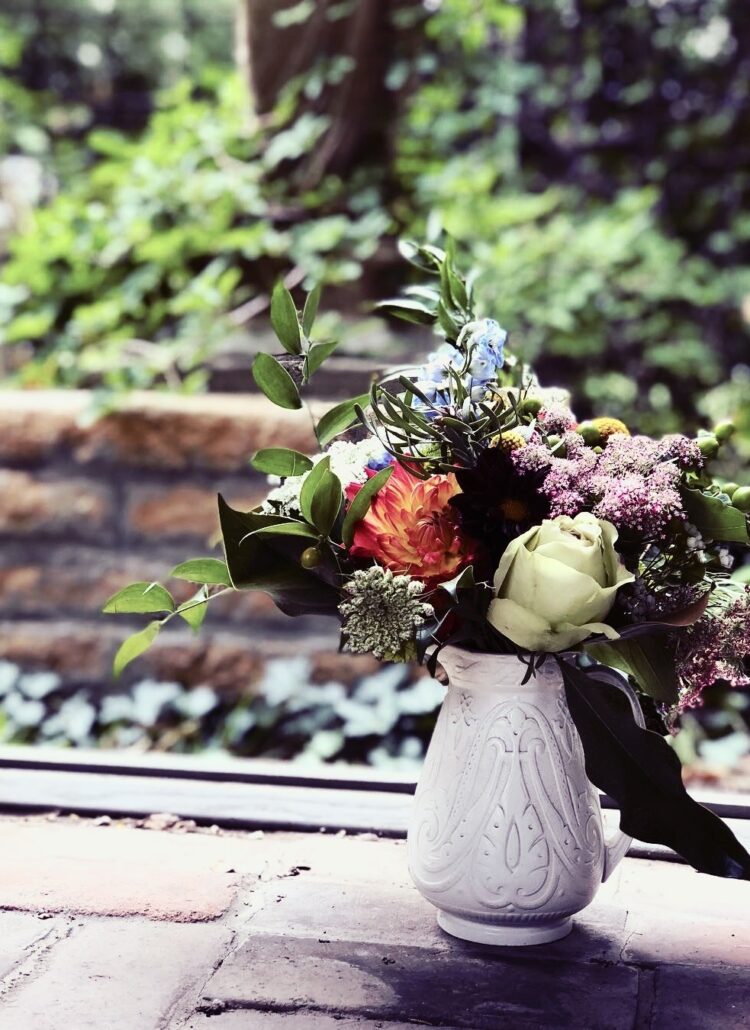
(468, 506)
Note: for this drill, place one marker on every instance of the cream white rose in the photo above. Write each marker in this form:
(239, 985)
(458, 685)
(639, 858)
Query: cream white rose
(557, 582)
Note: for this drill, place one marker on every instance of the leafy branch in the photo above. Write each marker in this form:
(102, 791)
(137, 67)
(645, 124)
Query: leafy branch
(152, 598)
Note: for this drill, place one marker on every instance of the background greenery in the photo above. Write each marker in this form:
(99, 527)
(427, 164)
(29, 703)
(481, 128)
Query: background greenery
(592, 157)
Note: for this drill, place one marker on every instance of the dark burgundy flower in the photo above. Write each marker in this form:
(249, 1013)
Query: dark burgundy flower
(498, 502)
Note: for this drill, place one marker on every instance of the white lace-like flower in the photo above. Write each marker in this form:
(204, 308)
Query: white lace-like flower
(349, 461)
(381, 614)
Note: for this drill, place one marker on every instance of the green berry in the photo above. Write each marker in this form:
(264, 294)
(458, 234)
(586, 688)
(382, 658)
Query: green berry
(729, 488)
(709, 446)
(724, 430)
(590, 434)
(530, 406)
(311, 558)
(741, 498)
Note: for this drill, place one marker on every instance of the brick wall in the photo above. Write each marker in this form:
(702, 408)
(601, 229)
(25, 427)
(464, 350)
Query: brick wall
(89, 505)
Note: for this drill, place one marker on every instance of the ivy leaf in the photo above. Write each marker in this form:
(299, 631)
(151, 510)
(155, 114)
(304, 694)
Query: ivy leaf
(134, 646)
(284, 319)
(362, 501)
(310, 312)
(275, 382)
(281, 461)
(194, 613)
(203, 570)
(339, 419)
(715, 519)
(641, 773)
(140, 599)
(272, 564)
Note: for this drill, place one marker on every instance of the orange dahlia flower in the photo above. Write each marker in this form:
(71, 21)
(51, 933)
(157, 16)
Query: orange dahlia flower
(412, 529)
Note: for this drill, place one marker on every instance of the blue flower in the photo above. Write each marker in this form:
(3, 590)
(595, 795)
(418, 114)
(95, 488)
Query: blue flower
(380, 461)
(484, 341)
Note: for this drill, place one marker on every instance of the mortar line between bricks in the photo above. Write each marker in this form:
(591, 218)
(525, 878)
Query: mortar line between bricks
(236, 920)
(30, 967)
(219, 1007)
(183, 1008)
(645, 998)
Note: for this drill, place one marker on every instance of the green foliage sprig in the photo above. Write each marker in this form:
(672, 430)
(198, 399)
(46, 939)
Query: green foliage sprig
(294, 560)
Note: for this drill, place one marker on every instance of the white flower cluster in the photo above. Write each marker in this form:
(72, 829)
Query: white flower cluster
(382, 612)
(349, 462)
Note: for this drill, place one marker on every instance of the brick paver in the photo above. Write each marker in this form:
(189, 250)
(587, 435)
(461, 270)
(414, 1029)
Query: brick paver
(116, 974)
(113, 870)
(165, 930)
(19, 932)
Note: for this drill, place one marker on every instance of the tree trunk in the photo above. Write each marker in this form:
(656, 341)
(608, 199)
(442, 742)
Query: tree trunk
(360, 108)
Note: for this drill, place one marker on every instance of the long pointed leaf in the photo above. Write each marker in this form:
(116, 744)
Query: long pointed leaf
(284, 319)
(641, 772)
(362, 501)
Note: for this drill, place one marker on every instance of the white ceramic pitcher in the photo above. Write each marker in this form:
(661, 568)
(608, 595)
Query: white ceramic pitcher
(506, 835)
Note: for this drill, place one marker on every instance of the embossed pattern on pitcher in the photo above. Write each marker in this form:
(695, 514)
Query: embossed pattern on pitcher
(506, 828)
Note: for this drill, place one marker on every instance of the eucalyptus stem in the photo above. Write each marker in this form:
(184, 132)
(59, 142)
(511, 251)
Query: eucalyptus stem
(195, 603)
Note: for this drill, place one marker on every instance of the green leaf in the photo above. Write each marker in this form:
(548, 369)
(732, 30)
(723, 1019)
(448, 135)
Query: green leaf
(275, 382)
(714, 519)
(140, 599)
(135, 645)
(447, 323)
(646, 660)
(286, 529)
(310, 312)
(642, 774)
(203, 570)
(317, 354)
(463, 581)
(311, 485)
(408, 310)
(194, 610)
(426, 257)
(273, 565)
(281, 461)
(284, 319)
(362, 501)
(339, 419)
(326, 503)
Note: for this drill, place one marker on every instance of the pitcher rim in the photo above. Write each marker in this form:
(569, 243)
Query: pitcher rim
(502, 661)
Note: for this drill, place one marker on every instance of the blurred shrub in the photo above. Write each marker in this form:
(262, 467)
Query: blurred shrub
(383, 719)
(124, 276)
(101, 61)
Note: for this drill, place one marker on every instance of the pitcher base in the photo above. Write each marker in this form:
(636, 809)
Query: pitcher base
(507, 936)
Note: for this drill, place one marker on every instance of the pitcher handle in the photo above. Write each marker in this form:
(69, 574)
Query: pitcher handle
(616, 847)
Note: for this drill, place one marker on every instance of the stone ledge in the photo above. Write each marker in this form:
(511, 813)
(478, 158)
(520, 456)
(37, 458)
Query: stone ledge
(149, 430)
(83, 651)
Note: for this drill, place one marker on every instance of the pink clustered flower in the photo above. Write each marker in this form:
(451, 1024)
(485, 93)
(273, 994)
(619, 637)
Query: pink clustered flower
(556, 417)
(633, 483)
(714, 648)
